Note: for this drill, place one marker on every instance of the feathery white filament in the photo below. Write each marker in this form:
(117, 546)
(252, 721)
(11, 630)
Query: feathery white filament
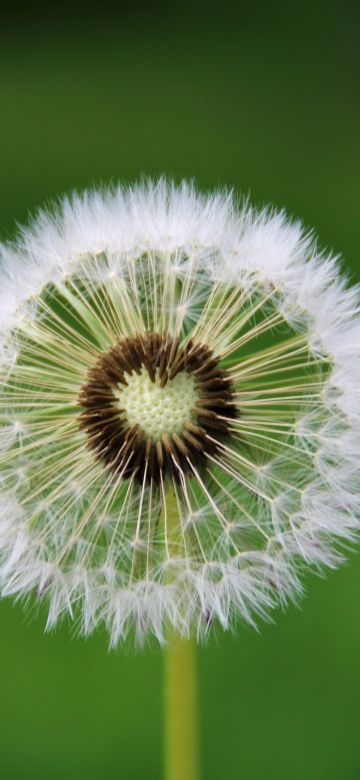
(281, 491)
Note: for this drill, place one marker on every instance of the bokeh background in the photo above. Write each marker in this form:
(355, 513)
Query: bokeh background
(263, 98)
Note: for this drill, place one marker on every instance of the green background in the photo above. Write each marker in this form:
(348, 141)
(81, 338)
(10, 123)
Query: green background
(264, 99)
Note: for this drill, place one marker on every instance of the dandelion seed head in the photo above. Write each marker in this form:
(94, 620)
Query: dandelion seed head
(179, 411)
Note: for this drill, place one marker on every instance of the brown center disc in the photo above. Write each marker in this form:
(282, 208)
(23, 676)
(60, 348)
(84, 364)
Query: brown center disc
(128, 450)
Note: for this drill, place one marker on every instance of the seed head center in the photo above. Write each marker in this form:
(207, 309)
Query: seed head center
(157, 410)
(153, 407)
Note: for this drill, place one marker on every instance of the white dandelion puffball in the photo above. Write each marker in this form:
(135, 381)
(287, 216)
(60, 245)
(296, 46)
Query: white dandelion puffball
(179, 380)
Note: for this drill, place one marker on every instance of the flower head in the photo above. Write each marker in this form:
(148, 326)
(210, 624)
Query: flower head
(179, 410)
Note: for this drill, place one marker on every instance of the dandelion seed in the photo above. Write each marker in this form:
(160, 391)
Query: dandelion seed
(179, 411)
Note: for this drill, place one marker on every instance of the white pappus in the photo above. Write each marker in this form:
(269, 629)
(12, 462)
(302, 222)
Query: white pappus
(179, 410)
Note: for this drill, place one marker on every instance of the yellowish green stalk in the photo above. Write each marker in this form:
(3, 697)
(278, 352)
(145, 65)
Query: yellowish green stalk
(181, 750)
(181, 728)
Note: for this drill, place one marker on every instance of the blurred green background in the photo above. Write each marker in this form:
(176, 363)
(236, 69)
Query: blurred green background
(265, 99)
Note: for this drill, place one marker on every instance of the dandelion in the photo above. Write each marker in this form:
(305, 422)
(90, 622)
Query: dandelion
(179, 411)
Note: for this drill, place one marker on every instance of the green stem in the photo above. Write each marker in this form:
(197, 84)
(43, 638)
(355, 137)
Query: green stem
(181, 743)
(180, 701)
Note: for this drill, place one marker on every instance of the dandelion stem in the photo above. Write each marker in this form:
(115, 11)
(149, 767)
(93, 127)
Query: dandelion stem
(180, 678)
(181, 748)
